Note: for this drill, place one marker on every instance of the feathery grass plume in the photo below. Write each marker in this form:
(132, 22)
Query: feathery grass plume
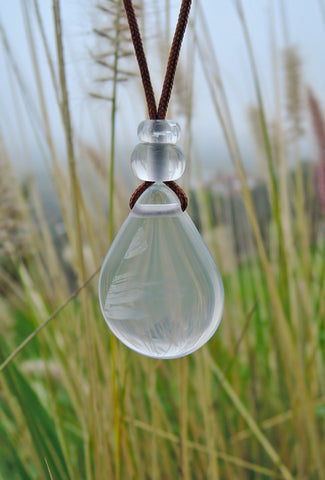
(292, 68)
(294, 106)
(254, 118)
(14, 239)
(256, 128)
(319, 129)
(112, 59)
(114, 48)
(277, 143)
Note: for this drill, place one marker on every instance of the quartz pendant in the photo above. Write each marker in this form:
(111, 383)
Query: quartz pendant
(160, 291)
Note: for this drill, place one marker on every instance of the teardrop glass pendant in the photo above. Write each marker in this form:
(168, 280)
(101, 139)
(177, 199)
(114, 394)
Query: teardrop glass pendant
(160, 290)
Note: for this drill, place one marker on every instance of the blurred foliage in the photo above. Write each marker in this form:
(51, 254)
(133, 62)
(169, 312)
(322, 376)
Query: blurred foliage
(250, 404)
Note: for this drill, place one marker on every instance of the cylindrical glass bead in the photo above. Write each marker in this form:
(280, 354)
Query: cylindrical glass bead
(158, 162)
(159, 131)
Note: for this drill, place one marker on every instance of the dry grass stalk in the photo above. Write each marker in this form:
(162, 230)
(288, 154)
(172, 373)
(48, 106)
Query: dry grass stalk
(187, 412)
(292, 68)
(14, 234)
(319, 129)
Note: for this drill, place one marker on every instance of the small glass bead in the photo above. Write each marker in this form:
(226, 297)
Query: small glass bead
(159, 131)
(158, 162)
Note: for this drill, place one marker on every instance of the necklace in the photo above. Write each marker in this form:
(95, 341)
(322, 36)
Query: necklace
(160, 291)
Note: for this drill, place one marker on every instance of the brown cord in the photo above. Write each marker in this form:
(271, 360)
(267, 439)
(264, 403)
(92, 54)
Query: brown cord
(161, 112)
(138, 192)
(172, 185)
(179, 192)
(173, 59)
(141, 58)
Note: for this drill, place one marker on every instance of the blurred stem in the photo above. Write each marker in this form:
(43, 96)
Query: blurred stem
(112, 150)
(310, 422)
(321, 5)
(287, 346)
(183, 371)
(47, 50)
(320, 297)
(302, 220)
(283, 190)
(69, 140)
(167, 9)
(190, 67)
(152, 374)
(116, 406)
(284, 20)
(209, 418)
(116, 410)
(250, 421)
(81, 269)
(58, 178)
(268, 150)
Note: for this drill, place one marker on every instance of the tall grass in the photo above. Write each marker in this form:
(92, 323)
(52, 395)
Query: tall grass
(75, 403)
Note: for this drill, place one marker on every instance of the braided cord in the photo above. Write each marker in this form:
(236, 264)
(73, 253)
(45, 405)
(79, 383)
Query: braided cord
(141, 58)
(172, 60)
(161, 112)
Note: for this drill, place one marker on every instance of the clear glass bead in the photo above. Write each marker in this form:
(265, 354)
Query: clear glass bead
(160, 291)
(157, 162)
(159, 131)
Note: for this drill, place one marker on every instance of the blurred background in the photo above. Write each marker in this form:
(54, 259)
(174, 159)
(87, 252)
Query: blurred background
(248, 94)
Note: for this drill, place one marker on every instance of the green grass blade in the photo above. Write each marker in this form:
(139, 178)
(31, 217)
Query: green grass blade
(40, 424)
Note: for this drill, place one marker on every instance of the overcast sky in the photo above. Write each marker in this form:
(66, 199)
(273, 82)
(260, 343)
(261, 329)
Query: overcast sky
(293, 22)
